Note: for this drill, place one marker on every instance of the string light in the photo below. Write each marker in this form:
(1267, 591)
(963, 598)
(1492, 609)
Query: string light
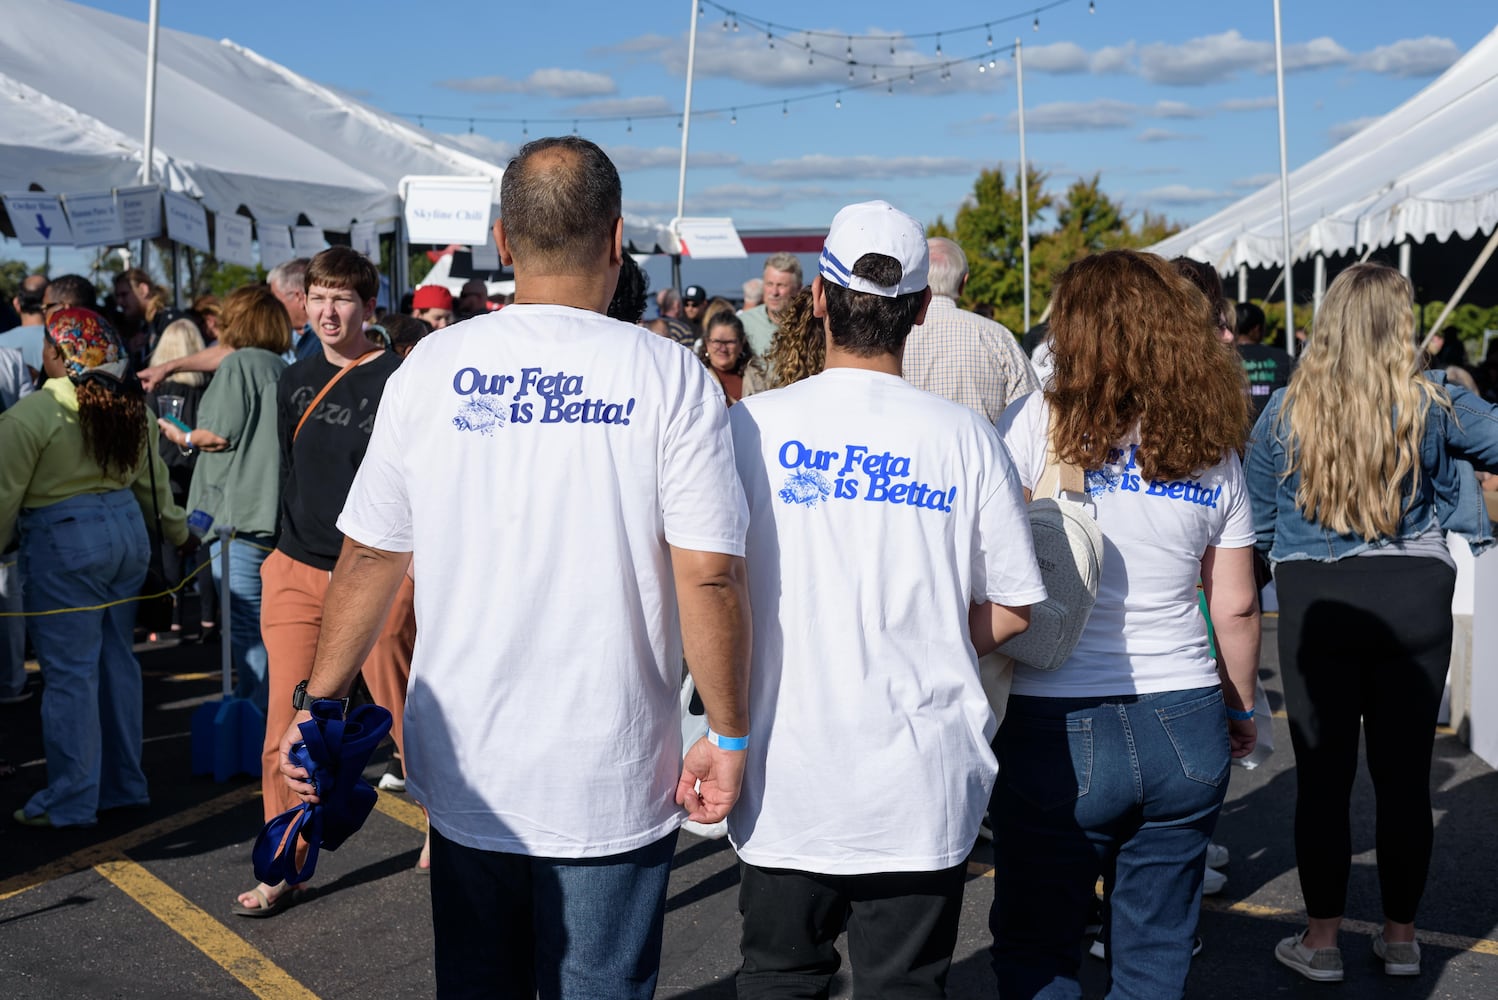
(982, 67)
(1091, 7)
(1036, 26)
(525, 129)
(629, 125)
(770, 38)
(990, 35)
(938, 46)
(839, 102)
(785, 110)
(734, 117)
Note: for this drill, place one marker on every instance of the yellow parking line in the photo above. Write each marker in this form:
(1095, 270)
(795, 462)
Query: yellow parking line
(233, 953)
(402, 810)
(114, 848)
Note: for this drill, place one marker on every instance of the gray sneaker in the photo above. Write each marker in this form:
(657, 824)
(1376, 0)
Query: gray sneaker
(1400, 958)
(1322, 965)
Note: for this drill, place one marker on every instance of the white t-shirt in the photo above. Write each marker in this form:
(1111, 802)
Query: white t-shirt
(878, 512)
(1146, 633)
(538, 460)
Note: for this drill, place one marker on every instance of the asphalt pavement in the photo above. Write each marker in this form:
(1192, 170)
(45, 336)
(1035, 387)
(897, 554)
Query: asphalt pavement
(139, 905)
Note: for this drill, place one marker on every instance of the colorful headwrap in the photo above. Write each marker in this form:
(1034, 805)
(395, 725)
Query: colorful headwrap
(88, 344)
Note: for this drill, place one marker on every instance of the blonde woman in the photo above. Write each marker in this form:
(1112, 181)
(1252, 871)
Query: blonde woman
(1356, 471)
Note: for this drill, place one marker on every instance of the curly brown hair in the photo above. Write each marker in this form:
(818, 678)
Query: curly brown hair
(800, 346)
(1135, 345)
(112, 418)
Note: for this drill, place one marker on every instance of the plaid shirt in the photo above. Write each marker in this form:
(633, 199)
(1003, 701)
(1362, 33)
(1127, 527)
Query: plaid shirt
(967, 359)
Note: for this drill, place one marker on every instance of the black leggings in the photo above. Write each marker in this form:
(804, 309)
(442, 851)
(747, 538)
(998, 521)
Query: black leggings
(1364, 640)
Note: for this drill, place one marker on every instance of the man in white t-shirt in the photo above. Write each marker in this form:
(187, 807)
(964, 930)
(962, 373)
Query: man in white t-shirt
(566, 483)
(887, 539)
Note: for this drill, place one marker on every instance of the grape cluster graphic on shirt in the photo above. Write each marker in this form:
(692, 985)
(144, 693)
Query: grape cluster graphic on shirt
(538, 397)
(855, 472)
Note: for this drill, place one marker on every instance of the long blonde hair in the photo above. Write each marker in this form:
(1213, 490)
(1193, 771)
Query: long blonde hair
(1357, 404)
(180, 338)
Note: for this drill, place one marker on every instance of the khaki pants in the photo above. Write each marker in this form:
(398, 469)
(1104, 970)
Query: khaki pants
(291, 607)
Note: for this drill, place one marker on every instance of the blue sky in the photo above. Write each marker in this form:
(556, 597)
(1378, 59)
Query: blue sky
(1174, 104)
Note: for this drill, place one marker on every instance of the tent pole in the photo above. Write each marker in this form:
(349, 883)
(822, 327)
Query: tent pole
(1279, 81)
(1024, 175)
(149, 137)
(1242, 282)
(1404, 258)
(402, 262)
(1319, 284)
(686, 131)
(1461, 289)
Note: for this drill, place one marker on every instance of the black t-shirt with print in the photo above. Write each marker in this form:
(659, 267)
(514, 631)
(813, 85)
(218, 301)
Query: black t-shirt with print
(318, 469)
(1267, 369)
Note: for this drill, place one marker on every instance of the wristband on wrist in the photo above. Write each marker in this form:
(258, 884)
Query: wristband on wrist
(188, 439)
(1240, 715)
(728, 742)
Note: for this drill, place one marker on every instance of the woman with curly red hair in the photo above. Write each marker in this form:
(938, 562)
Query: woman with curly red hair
(1116, 764)
(77, 464)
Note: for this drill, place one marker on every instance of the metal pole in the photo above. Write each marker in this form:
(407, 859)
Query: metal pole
(686, 115)
(1319, 285)
(1279, 82)
(1242, 282)
(149, 139)
(1024, 176)
(1404, 258)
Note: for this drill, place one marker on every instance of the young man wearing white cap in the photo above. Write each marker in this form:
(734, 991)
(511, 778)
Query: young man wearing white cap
(888, 547)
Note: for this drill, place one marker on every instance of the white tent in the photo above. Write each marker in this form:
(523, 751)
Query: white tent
(1427, 168)
(231, 127)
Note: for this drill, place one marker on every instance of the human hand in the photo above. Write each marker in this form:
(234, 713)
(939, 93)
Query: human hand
(172, 432)
(297, 778)
(710, 781)
(1243, 736)
(153, 376)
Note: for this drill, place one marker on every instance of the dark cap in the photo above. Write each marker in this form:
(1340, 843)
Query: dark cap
(694, 294)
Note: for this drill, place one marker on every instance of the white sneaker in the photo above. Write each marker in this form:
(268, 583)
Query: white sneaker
(1400, 958)
(711, 831)
(1213, 882)
(1217, 856)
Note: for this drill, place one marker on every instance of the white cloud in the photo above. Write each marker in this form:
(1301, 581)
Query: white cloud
(489, 150)
(631, 158)
(1253, 182)
(1411, 57)
(1164, 135)
(614, 107)
(823, 167)
(1348, 129)
(1062, 57)
(1099, 115)
(1176, 109)
(738, 198)
(542, 83)
(1269, 102)
(1178, 194)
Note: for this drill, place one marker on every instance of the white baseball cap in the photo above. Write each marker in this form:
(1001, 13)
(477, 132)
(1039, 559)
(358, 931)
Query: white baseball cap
(875, 227)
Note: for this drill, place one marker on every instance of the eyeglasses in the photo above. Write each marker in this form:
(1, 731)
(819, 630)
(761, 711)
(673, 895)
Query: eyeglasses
(48, 308)
(722, 343)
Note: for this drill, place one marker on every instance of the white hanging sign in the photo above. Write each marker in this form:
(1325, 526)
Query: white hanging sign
(94, 218)
(308, 240)
(140, 212)
(186, 221)
(233, 240)
(38, 220)
(445, 210)
(363, 238)
(708, 239)
(275, 245)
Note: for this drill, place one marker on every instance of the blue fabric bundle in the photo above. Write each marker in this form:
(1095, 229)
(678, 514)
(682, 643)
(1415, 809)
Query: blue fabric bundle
(335, 751)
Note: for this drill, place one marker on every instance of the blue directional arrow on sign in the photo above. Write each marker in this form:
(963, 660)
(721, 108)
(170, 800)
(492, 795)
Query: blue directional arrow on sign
(42, 227)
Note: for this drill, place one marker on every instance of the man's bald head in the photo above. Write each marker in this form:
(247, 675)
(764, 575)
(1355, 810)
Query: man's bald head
(559, 202)
(36, 284)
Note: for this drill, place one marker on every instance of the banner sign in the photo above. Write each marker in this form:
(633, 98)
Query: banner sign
(38, 220)
(95, 219)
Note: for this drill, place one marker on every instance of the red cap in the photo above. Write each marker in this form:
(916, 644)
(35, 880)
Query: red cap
(432, 297)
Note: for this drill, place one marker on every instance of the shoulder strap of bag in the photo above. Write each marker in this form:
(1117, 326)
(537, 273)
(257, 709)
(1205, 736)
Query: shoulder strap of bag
(151, 456)
(1066, 475)
(332, 382)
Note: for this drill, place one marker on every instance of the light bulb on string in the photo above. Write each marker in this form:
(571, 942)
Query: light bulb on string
(733, 117)
(839, 102)
(470, 126)
(574, 126)
(785, 109)
(938, 45)
(990, 35)
(725, 22)
(982, 66)
(525, 129)
(875, 74)
(629, 125)
(1036, 25)
(1091, 7)
(850, 69)
(735, 23)
(992, 63)
(850, 45)
(770, 38)
(890, 88)
(891, 46)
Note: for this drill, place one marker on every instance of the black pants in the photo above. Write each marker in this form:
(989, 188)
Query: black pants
(1364, 640)
(902, 927)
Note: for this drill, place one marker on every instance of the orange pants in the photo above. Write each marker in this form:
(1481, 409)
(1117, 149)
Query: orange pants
(291, 607)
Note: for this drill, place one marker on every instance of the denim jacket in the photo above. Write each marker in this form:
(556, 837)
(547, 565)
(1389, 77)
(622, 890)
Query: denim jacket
(1449, 496)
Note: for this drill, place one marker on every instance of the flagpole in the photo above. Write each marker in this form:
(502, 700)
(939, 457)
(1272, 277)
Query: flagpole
(686, 131)
(1279, 82)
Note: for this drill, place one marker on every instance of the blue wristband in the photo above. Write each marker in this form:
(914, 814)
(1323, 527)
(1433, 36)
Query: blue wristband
(1240, 715)
(728, 742)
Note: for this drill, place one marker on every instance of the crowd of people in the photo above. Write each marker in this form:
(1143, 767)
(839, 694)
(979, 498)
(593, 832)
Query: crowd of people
(521, 525)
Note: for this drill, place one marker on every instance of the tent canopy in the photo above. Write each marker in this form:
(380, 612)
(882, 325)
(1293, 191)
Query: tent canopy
(231, 127)
(1427, 168)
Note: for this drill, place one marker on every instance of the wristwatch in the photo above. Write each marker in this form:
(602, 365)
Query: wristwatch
(301, 701)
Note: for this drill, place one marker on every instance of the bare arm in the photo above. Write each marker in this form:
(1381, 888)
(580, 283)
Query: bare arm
(1233, 601)
(712, 593)
(202, 438)
(992, 625)
(206, 360)
(358, 599)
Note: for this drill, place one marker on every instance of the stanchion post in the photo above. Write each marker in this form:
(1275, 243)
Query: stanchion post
(226, 633)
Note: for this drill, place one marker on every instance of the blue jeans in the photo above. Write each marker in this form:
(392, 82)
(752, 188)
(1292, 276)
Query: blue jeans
(1125, 788)
(246, 647)
(508, 925)
(83, 552)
